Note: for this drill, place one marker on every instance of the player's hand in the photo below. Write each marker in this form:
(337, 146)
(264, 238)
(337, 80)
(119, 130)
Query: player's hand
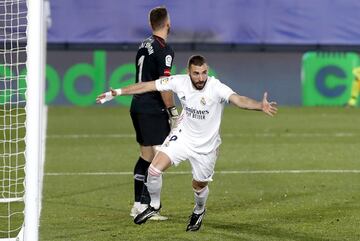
(268, 107)
(173, 116)
(174, 122)
(107, 96)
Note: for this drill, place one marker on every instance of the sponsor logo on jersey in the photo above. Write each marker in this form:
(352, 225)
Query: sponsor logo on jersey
(203, 101)
(196, 114)
(168, 60)
(167, 72)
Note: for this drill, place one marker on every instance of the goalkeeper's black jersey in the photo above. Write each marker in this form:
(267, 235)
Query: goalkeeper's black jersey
(153, 60)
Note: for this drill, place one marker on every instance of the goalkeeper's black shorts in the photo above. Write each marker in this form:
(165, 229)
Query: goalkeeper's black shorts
(151, 129)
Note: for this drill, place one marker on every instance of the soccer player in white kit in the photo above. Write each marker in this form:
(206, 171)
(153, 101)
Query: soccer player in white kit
(196, 137)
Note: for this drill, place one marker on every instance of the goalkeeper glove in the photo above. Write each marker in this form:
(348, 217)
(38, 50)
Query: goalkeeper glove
(174, 116)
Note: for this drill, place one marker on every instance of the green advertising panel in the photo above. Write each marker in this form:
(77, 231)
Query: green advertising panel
(327, 78)
(79, 80)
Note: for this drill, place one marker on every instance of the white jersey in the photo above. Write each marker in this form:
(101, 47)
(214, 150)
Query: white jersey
(202, 110)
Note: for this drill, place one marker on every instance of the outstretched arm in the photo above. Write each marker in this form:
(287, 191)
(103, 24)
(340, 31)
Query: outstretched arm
(138, 88)
(250, 104)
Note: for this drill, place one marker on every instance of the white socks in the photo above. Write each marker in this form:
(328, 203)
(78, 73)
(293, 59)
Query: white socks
(137, 205)
(154, 184)
(200, 199)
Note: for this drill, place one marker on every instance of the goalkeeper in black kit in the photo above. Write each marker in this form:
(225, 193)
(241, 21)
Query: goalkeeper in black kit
(152, 113)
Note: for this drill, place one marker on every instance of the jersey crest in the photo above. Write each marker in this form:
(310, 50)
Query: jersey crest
(203, 101)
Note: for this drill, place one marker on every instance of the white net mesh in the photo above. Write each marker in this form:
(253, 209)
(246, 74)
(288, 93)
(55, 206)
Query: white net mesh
(13, 21)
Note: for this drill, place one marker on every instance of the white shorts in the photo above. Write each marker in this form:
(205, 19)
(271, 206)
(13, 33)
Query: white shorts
(202, 164)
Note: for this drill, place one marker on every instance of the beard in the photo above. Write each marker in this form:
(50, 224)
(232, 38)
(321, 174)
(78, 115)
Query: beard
(199, 85)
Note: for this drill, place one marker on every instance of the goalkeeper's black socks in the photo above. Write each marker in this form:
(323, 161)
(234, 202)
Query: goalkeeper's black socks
(145, 196)
(140, 171)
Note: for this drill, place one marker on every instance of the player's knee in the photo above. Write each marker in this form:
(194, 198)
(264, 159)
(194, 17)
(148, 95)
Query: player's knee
(147, 153)
(156, 149)
(147, 156)
(199, 186)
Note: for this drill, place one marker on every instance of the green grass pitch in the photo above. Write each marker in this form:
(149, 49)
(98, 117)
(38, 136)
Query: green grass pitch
(279, 188)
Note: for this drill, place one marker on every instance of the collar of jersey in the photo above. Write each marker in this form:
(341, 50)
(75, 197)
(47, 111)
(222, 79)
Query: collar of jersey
(160, 39)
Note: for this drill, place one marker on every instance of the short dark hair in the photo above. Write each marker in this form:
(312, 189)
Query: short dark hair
(197, 60)
(157, 17)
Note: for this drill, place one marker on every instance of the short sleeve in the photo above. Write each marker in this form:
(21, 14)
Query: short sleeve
(166, 83)
(224, 92)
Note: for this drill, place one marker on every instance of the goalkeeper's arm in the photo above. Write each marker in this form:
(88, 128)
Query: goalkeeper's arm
(168, 99)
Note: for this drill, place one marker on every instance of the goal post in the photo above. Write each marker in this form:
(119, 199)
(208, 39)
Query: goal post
(22, 78)
(34, 108)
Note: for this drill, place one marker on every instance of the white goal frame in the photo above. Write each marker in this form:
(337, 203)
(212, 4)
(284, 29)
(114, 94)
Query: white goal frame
(36, 47)
(35, 123)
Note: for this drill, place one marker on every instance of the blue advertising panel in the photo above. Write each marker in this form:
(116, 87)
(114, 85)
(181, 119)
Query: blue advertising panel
(209, 21)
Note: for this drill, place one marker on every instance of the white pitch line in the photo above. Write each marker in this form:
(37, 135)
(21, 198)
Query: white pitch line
(287, 135)
(78, 136)
(217, 172)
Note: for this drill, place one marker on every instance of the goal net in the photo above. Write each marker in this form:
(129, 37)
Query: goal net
(19, 174)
